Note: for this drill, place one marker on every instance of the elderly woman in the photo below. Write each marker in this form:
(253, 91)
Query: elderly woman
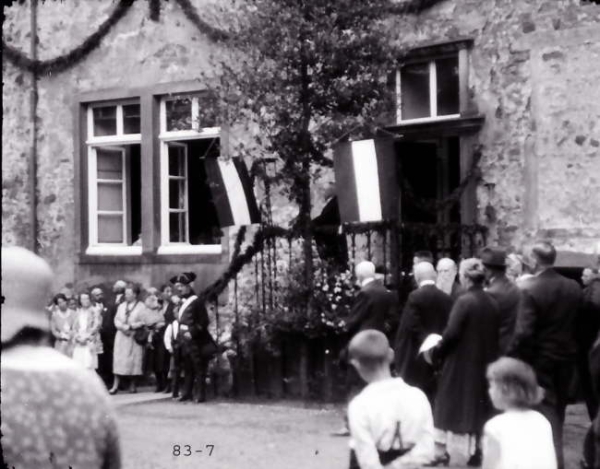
(128, 354)
(86, 327)
(468, 345)
(61, 323)
(48, 402)
(154, 322)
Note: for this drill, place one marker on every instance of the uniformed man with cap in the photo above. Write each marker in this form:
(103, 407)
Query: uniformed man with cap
(193, 339)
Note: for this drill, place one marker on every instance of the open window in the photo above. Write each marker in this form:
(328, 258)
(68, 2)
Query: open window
(189, 135)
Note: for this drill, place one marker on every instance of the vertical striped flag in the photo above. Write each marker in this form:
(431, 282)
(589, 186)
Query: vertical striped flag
(365, 176)
(232, 192)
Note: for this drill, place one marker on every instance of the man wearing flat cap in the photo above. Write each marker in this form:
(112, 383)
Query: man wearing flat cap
(193, 340)
(501, 289)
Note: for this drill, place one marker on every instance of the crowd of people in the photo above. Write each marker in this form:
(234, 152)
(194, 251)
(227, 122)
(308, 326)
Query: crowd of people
(161, 332)
(500, 333)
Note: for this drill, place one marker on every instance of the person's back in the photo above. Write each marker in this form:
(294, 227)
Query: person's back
(507, 296)
(54, 413)
(384, 407)
(519, 439)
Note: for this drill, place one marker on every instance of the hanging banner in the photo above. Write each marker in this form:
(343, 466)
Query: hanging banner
(232, 192)
(366, 182)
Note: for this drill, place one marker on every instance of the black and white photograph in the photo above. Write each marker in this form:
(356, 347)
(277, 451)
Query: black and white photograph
(306, 234)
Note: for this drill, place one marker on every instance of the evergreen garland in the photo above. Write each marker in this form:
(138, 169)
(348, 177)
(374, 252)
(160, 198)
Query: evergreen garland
(215, 34)
(72, 58)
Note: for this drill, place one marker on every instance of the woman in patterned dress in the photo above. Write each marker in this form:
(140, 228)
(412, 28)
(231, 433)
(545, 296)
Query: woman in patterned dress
(154, 321)
(54, 414)
(86, 326)
(128, 355)
(61, 323)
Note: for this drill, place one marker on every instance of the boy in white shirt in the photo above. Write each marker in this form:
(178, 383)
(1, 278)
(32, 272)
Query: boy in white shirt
(391, 424)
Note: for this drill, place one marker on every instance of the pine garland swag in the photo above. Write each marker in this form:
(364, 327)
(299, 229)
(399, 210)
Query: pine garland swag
(72, 58)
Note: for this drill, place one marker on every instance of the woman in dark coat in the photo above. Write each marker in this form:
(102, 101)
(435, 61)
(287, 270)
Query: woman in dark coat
(469, 343)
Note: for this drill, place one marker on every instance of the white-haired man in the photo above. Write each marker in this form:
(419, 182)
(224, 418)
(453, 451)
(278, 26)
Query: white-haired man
(446, 277)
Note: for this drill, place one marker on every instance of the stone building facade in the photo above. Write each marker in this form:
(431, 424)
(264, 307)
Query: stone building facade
(525, 77)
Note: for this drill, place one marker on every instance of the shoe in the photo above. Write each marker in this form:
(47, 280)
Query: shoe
(475, 459)
(184, 398)
(443, 460)
(112, 392)
(344, 431)
(200, 399)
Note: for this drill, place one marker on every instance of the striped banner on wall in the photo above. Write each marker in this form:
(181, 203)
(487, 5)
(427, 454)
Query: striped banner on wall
(232, 192)
(365, 178)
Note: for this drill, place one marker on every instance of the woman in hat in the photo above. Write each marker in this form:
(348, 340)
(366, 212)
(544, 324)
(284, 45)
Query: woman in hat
(468, 345)
(196, 343)
(128, 355)
(47, 401)
(62, 325)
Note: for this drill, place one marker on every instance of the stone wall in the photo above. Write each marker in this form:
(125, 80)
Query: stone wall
(533, 75)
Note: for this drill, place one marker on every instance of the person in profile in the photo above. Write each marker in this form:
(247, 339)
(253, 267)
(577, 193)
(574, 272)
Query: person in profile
(331, 245)
(390, 421)
(54, 412)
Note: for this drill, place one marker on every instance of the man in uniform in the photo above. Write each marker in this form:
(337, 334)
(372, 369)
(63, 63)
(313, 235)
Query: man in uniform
(195, 342)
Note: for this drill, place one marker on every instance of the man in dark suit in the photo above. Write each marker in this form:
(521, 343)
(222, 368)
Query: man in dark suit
(426, 312)
(372, 309)
(331, 245)
(545, 335)
(506, 293)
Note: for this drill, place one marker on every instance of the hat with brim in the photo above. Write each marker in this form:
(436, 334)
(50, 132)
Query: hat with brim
(26, 286)
(493, 257)
(185, 278)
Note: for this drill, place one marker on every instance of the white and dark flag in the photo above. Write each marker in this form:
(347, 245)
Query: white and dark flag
(366, 182)
(232, 192)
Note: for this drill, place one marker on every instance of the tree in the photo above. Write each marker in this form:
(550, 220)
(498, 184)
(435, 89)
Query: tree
(302, 74)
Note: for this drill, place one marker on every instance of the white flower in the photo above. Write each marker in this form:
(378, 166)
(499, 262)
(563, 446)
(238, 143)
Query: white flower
(333, 307)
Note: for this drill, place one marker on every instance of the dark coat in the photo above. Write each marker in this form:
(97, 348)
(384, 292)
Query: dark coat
(507, 295)
(195, 317)
(331, 245)
(426, 312)
(457, 290)
(469, 344)
(546, 320)
(374, 308)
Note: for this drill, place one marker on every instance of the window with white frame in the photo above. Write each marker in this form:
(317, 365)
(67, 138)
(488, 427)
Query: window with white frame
(188, 135)
(114, 178)
(428, 89)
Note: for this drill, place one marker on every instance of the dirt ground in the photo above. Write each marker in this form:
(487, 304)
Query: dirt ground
(249, 436)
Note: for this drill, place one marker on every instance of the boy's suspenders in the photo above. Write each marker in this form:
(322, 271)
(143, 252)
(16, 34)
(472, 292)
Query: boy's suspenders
(387, 456)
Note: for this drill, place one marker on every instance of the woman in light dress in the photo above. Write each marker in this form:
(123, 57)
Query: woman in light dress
(128, 355)
(62, 325)
(86, 327)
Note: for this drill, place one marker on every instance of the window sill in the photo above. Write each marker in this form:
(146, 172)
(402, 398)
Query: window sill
(456, 126)
(423, 120)
(216, 249)
(114, 251)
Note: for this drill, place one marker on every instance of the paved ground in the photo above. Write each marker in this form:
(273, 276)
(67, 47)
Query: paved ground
(249, 436)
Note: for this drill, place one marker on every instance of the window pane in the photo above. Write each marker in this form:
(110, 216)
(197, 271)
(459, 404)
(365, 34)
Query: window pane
(208, 111)
(105, 120)
(131, 119)
(110, 229)
(109, 164)
(110, 197)
(179, 114)
(447, 86)
(176, 194)
(415, 91)
(177, 228)
(176, 161)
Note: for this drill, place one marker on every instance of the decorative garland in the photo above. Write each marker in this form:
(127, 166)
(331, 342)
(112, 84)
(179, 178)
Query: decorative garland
(72, 58)
(79, 53)
(215, 34)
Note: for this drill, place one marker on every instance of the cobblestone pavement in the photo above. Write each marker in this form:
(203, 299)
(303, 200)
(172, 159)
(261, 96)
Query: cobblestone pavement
(228, 435)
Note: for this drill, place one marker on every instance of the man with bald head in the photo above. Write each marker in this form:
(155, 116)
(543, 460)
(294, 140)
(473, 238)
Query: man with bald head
(373, 307)
(446, 278)
(426, 312)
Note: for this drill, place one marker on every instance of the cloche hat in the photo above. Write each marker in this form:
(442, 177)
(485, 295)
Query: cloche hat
(26, 287)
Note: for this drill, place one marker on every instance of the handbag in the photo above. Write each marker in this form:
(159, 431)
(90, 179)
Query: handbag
(141, 336)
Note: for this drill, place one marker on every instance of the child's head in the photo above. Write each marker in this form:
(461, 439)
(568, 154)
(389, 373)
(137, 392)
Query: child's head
(513, 384)
(370, 353)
